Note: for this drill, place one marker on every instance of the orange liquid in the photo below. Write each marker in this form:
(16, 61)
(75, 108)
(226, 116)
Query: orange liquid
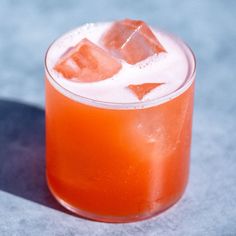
(117, 165)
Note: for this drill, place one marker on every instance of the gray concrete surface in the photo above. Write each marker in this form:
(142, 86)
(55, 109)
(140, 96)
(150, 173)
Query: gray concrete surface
(27, 28)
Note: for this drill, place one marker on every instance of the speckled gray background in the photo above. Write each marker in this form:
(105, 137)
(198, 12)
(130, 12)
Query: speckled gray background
(27, 28)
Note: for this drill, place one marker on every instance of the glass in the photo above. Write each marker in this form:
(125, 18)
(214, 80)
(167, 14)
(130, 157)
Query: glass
(118, 162)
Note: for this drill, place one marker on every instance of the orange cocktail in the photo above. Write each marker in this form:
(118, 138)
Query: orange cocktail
(117, 161)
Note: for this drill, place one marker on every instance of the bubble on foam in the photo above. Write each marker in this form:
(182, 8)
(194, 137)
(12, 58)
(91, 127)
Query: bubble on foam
(169, 68)
(150, 61)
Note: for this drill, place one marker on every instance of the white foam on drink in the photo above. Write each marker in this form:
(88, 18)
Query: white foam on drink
(170, 68)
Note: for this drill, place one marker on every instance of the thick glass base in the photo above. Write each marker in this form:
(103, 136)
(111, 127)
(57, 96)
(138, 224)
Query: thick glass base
(108, 218)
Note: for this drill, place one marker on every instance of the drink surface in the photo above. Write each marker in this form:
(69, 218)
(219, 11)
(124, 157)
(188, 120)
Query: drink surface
(169, 68)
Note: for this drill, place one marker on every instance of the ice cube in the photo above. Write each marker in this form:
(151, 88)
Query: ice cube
(86, 62)
(131, 40)
(140, 90)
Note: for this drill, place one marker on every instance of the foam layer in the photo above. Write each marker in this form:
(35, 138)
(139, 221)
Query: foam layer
(170, 68)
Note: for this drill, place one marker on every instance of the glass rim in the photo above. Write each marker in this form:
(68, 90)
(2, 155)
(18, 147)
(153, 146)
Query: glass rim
(189, 79)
